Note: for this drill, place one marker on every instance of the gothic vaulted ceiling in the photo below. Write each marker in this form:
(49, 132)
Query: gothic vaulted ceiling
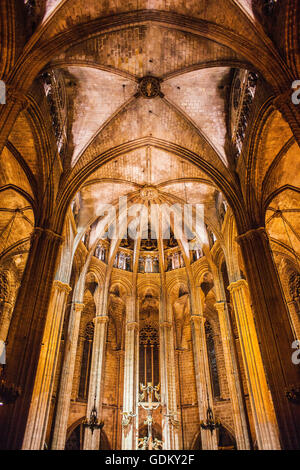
(141, 93)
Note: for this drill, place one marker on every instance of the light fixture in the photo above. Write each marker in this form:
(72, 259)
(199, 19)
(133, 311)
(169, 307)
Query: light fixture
(210, 424)
(93, 422)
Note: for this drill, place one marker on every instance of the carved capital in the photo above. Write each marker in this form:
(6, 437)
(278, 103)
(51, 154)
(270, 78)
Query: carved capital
(261, 231)
(240, 284)
(197, 317)
(165, 324)
(39, 231)
(132, 325)
(78, 306)
(101, 319)
(220, 305)
(61, 286)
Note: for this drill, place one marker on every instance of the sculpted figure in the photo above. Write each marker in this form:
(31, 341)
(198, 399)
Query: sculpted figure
(181, 309)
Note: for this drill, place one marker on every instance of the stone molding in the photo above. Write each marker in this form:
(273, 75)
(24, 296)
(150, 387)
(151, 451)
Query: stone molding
(251, 232)
(237, 284)
(132, 325)
(62, 286)
(101, 319)
(38, 231)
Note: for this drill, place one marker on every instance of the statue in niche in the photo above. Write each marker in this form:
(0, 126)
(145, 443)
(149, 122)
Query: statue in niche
(97, 252)
(181, 260)
(116, 261)
(222, 212)
(75, 207)
(122, 261)
(149, 307)
(181, 310)
(197, 254)
(116, 308)
(86, 238)
(175, 261)
(169, 263)
(128, 263)
(155, 265)
(141, 265)
(100, 252)
(148, 265)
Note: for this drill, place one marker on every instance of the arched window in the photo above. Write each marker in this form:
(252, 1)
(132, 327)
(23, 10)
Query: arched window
(212, 360)
(86, 361)
(149, 354)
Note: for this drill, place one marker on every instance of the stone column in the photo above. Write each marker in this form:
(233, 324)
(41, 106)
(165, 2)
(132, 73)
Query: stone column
(261, 405)
(26, 332)
(274, 331)
(233, 379)
(66, 380)
(5, 318)
(203, 383)
(202, 372)
(131, 381)
(131, 378)
(170, 419)
(118, 431)
(36, 427)
(92, 440)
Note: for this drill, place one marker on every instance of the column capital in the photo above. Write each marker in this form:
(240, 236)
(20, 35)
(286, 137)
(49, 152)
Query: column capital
(252, 232)
(196, 316)
(38, 231)
(77, 306)
(237, 285)
(165, 324)
(132, 325)
(62, 286)
(220, 304)
(101, 319)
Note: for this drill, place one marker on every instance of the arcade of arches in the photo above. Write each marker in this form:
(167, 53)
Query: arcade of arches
(120, 113)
